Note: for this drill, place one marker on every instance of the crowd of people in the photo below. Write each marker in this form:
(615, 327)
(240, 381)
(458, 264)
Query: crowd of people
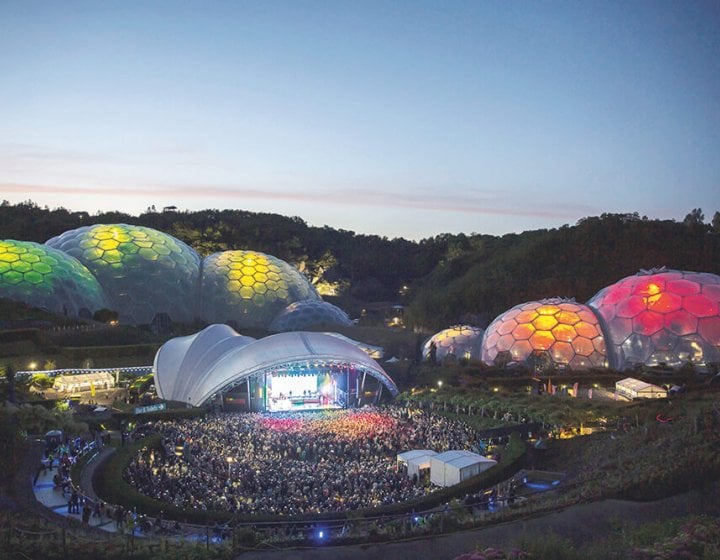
(292, 463)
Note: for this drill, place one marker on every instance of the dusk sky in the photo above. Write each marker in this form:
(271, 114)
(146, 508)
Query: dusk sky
(394, 118)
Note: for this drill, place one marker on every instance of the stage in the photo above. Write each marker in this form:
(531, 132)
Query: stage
(306, 391)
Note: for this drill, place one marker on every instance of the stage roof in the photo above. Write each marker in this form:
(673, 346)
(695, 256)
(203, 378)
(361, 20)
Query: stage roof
(192, 369)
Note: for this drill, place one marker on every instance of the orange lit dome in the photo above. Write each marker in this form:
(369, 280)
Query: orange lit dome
(661, 316)
(461, 341)
(564, 332)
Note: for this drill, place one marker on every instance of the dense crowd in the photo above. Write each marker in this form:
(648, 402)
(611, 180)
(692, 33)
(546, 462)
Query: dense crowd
(292, 463)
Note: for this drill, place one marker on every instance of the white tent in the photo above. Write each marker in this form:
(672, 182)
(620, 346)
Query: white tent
(416, 460)
(84, 382)
(452, 467)
(632, 388)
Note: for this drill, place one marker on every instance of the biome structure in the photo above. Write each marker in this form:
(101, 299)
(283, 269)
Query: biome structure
(661, 317)
(464, 342)
(49, 279)
(563, 332)
(309, 314)
(142, 271)
(249, 288)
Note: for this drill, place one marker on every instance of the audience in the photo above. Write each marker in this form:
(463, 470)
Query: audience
(292, 463)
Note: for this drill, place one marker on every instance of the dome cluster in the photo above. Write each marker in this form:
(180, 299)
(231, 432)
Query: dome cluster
(566, 332)
(464, 342)
(657, 317)
(47, 278)
(142, 273)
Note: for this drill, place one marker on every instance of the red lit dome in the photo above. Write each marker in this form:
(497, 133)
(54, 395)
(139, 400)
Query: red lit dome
(662, 317)
(559, 331)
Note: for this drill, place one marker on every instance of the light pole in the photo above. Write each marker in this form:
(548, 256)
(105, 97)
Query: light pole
(230, 461)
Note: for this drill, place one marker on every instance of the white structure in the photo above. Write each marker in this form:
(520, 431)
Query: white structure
(452, 467)
(632, 388)
(83, 382)
(415, 460)
(192, 369)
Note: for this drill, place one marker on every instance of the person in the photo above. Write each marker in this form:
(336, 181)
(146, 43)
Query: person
(86, 511)
(74, 504)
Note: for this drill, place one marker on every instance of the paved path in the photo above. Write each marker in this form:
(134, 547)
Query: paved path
(581, 524)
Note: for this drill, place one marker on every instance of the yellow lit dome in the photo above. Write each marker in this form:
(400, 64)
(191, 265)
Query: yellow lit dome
(143, 271)
(249, 288)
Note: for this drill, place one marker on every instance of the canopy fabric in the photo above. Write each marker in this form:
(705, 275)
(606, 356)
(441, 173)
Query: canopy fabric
(192, 369)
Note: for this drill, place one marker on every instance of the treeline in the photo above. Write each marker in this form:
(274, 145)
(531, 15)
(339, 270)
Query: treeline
(451, 278)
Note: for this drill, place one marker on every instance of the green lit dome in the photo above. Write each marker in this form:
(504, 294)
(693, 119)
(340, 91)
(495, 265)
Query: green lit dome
(45, 277)
(249, 288)
(143, 271)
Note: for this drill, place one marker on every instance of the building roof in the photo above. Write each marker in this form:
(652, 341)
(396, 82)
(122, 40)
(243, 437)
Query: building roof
(192, 369)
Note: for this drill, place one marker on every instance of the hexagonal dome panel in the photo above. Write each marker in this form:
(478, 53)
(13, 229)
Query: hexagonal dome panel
(461, 341)
(143, 271)
(47, 278)
(659, 317)
(563, 332)
(303, 315)
(249, 288)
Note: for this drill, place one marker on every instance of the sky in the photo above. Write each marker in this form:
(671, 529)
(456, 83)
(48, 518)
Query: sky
(401, 119)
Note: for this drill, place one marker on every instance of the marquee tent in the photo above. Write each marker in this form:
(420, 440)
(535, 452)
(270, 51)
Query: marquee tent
(632, 388)
(452, 467)
(83, 382)
(416, 460)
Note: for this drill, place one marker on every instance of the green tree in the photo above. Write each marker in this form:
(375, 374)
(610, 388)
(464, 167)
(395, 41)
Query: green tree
(694, 217)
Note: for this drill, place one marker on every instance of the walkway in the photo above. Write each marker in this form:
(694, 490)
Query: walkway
(54, 499)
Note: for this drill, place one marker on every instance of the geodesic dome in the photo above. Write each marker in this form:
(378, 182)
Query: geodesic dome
(44, 277)
(303, 315)
(462, 341)
(662, 316)
(249, 288)
(143, 271)
(561, 332)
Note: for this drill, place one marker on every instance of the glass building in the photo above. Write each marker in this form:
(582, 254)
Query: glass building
(464, 342)
(661, 317)
(550, 332)
(249, 288)
(144, 272)
(309, 314)
(48, 278)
